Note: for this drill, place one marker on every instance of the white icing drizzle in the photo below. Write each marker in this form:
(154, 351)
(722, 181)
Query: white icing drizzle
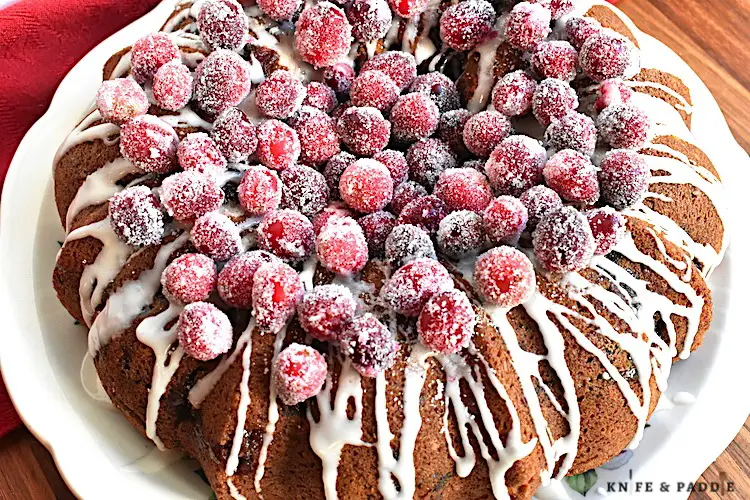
(486, 70)
(87, 132)
(244, 403)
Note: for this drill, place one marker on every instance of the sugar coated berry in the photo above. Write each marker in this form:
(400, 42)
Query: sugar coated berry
(189, 278)
(580, 29)
(325, 310)
(467, 24)
(624, 178)
(572, 176)
(401, 67)
(375, 89)
(280, 10)
(555, 59)
(199, 152)
(329, 214)
(406, 243)
(451, 130)
(558, 8)
(527, 25)
(414, 117)
(553, 99)
(215, 235)
(334, 169)
(395, 162)
(370, 19)
(222, 80)
(563, 241)
(405, 193)
(369, 344)
(277, 289)
(505, 277)
(608, 227)
(287, 234)
(513, 94)
(280, 95)
(425, 212)
(136, 217)
(447, 322)
(377, 226)
(364, 130)
(340, 77)
(484, 131)
(320, 96)
(539, 201)
(612, 91)
(411, 286)
(408, 8)
(624, 126)
(464, 189)
(120, 100)
(259, 191)
(460, 233)
(299, 373)
(573, 131)
(440, 88)
(516, 165)
(305, 190)
(149, 143)
(477, 165)
(323, 34)
(203, 331)
(366, 186)
(235, 135)
(190, 194)
(173, 86)
(342, 246)
(607, 55)
(222, 24)
(235, 282)
(317, 135)
(427, 159)
(278, 145)
(505, 219)
(150, 53)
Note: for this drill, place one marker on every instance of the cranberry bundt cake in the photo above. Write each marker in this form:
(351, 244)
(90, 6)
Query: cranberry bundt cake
(398, 249)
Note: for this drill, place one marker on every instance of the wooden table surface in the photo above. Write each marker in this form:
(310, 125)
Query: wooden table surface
(712, 36)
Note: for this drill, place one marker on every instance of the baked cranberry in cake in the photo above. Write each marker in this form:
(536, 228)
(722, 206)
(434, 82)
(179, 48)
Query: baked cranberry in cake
(120, 100)
(136, 217)
(513, 94)
(377, 226)
(464, 189)
(404, 194)
(624, 178)
(414, 116)
(364, 130)
(572, 176)
(325, 310)
(150, 53)
(222, 80)
(465, 25)
(563, 241)
(447, 322)
(440, 88)
(624, 126)
(320, 96)
(527, 25)
(287, 234)
(553, 99)
(411, 286)
(366, 186)
(235, 281)
(573, 131)
(217, 236)
(342, 246)
(375, 89)
(460, 233)
(223, 24)
(188, 195)
(259, 190)
(407, 242)
(608, 227)
(369, 344)
(203, 331)
(539, 201)
(299, 373)
(277, 289)
(427, 159)
(278, 145)
(323, 34)
(235, 135)
(189, 278)
(149, 143)
(199, 152)
(280, 95)
(505, 219)
(370, 19)
(516, 165)
(173, 86)
(556, 59)
(401, 67)
(505, 277)
(484, 131)
(425, 212)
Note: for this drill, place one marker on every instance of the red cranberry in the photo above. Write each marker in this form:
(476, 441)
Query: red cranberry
(484, 131)
(280, 95)
(323, 34)
(513, 94)
(467, 24)
(199, 152)
(613, 91)
(279, 10)
(411, 286)
(426, 212)
(366, 186)
(607, 55)
(440, 88)
(190, 194)
(608, 228)
(173, 86)
(235, 135)
(563, 241)
(573, 176)
(370, 19)
(136, 217)
(580, 29)
(377, 226)
(299, 373)
(342, 247)
(259, 191)
(364, 130)
(189, 278)
(624, 178)
(553, 99)
(215, 235)
(406, 243)
(329, 214)
(149, 143)
(460, 233)
(558, 8)
(235, 282)
(505, 219)
(556, 59)
(305, 190)
(401, 67)
(121, 100)
(203, 331)
(516, 165)
(287, 234)
(369, 344)
(150, 53)
(428, 159)
(464, 189)
(375, 89)
(317, 135)
(527, 25)
(223, 24)
(505, 277)
(408, 8)
(573, 131)
(477, 165)
(320, 96)
(334, 169)
(395, 162)
(405, 193)
(414, 117)
(539, 201)
(222, 80)
(277, 289)
(451, 130)
(325, 310)
(624, 126)
(278, 145)
(447, 322)
(339, 77)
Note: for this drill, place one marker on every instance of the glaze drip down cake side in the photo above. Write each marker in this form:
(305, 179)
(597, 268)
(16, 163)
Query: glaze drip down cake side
(417, 249)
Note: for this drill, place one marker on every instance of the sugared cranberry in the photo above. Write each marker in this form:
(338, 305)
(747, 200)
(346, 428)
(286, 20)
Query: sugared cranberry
(513, 94)
(278, 145)
(425, 212)
(203, 331)
(320, 96)
(370, 19)
(572, 176)
(563, 241)
(484, 131)
(624, 126)
(395, 162)
(223, 24)
(325, 310)
(366, 186)
(377, 226)
(217, 236)
(414, 117)
(460, 233)
(199, 152)
(505, 277)
(136, 217)
(364, 130)
(607, 55)
(516, 165)
(331, 213)
(287, 234)
(406, 243)
(427, 159)
(440, 88)
(467, 24)
(464, 189)
(323, 34)
(624, 178)
(222, 80)
(375, 89)
(173, 86)
(478, 165)
(556, 59)
(279, 10)
(369, 344)
(235, 135)
(408, 8)
(120, 100)
(150, 53)
(259, 191)
(527, 25)
(553, 99)
(149, 143)
(573, 131)
(401, 67)
(580, 29)
(190, 194)
(539, 201)
(189, 278)
(235, 282)
(505, 219)
(447, 322)
(451, 130)
(411, 286)
(305, 190)
(299, 373)
(558, 8)
(342, 247)
(334, 169)
(405, 193)
(613, 91)
(280, 95)
(317, 135)
(277, 289)
(339, 77)
(608, 227)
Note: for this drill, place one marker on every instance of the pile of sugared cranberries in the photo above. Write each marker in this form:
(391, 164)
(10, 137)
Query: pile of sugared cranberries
(447, 322)
(404, 194)
(287, 234)
(440, 88)
(363, 130)
(323, 34)
(580, 29)
(401, 67)
(374, 89)
(451, 130)
(505, 277)
(330, 213)
(204, 331)
(299, 372)
(235, 135)
(136, 217)
(407, 242)
(539, 201)
(573, 131)
(325, 311)
(624, 126)
(189, 278)
(235, 281)
(121, 100)
(339, 77)
(149, 54)
(411, 286)
(428, 159)
(320, 96)
(377, 226)
(396, 163)
(278, 145)
(553, 99)
(608, 227)
(317, 135)
(613, 91)
(414, 116)
(369, 344)
(279, 10)
(467, 24)
(277, 289)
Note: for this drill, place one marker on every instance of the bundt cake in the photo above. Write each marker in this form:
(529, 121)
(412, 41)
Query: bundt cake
(414, 248)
